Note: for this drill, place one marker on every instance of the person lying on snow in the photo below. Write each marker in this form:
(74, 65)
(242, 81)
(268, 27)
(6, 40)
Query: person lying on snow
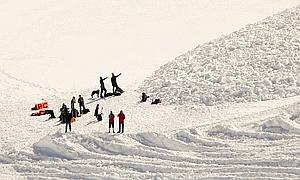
(44, 112)
(156, 101)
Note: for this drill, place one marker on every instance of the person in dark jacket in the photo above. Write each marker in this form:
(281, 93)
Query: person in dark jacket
(96, 114)
(111, 119)
(73, 112)
(63, 113)
(114, 82)
(121, 116)
(81, 104)
(68, 121)
(144, 97)
(102, 87)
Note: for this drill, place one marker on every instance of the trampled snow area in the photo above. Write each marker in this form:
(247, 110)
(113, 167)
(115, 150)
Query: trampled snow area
(185, 137)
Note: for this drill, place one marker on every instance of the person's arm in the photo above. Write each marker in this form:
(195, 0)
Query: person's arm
(118, 75)
(105, 78)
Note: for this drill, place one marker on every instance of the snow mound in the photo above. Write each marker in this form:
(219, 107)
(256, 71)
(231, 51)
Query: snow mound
(280, 125)
(258, 62)
(50, 148)
(190, 138)
(222, 131)
(161, 141)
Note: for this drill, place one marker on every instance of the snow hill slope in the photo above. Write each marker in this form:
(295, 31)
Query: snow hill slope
(250, 140)
(226, 141)
(258, 62)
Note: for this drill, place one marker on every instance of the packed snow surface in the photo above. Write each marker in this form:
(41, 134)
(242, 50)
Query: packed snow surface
(257, 62)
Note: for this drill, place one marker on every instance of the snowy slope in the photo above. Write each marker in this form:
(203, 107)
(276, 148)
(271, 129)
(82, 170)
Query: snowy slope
(250, 140)
(258, 62)
(247, 140)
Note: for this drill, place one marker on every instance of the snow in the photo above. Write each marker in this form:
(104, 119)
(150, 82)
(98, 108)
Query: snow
(186, 137)
(256, 63)
(160, 141)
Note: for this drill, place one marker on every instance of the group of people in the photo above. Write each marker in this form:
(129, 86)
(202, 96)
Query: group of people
(116, 88)
(111, 119)
(67, 116)
(145, 97)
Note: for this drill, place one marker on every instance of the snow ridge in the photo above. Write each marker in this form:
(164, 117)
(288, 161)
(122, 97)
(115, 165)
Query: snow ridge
(258, 62)
(210, 152)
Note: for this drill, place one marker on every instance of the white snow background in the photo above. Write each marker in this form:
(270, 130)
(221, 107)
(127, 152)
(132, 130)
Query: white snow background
(230, 106)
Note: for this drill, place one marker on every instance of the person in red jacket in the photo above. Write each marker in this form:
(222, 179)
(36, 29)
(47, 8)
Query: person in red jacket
(121, 116)
(111, 118)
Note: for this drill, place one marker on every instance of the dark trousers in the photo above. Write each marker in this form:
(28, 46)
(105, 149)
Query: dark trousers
(81, 106)
(121, 126)
(115, 87)
(73, 112)
(68, 123)
(111, 125)
(63, 118)
(103, 90)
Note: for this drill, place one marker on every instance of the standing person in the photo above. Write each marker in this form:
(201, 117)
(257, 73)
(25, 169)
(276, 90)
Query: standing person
(114, 82)
(121, 116)
(111, 118)
(63, 113)
(102, 87)
(96, 114)
(68, 121)
(81, 104)
(73, 101)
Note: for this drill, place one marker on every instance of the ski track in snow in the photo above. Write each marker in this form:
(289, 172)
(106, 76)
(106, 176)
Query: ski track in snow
(246, 140)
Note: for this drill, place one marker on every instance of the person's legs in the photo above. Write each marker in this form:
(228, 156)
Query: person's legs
(66, 127)
(104, 91)
(70, 126)
(101, 92)
(123, 127)
(63, 119)
(80, 110)
(119, 127)
(73, 112)
(113, 127)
